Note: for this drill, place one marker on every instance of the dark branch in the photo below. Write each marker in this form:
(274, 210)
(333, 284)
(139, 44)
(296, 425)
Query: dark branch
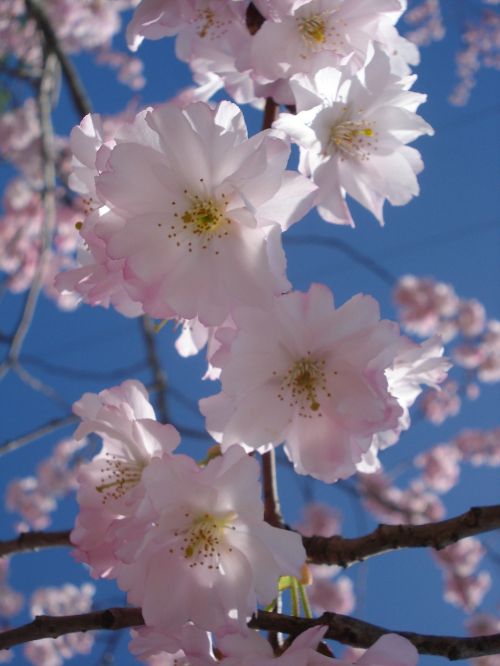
(336, 549)
(343, 552)
(29, 541)
(77, 91)
(272, 511)
(340, 627)
(355, 632)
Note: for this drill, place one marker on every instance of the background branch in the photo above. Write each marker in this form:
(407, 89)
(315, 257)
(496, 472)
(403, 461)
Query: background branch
(78, 94)
(45, 95)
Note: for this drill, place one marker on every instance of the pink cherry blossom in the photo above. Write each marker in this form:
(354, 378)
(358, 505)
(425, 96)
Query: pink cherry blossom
(441, 467)
(389, 650)
(479, 447)
(352, 132)
(11, 601)
(301, 36)
(438, 405)
(391, 504)
(328, 594)
(199, 235)
(319, 519)
(251, 648)
(66, 600)
(311, 376)
(209, 552)
(187, 646)
(423, 303)
(110, 487)
(35, 498)
(467, 592)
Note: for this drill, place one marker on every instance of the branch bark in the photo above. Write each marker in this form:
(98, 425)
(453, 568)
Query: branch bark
(78, 94)
(344, 552)
(29, 541)
(335, 549)
(340, 627)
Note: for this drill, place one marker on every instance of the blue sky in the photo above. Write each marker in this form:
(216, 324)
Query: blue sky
(450, 231)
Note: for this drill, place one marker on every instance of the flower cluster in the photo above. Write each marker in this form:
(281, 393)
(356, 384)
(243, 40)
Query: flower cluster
(427, 307)
(188, 543)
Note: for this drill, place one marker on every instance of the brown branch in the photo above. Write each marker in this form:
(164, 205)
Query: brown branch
(343, 552)
(272, 510)
(254, 19)
(355, 632)
(336, 549)
(30, 541)
(270, 111)
(340, 627)
(47, 626)
(77, 91)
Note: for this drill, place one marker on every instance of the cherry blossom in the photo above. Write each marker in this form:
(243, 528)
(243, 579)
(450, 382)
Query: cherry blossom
(243, 650)
(11, 601)
(199, 235)
(416, 505)
(110, 486)
(441, 467)
(315, 378)
(66, 600)
(352, 132)
(303, 36)
(389, 650)
(210, 553)
(326, 594)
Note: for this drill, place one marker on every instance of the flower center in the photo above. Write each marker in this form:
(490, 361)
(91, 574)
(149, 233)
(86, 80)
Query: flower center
(352, 138)
(203, 541)
(303, 383)
(312, 29)
(204, 217)
(118, 476)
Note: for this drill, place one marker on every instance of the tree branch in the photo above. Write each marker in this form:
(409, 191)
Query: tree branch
(343, 552)
(272, 511)
(340, 627)
(46, 429)
(29, 541)
(336, 549)
(80, 99)
(355, 632)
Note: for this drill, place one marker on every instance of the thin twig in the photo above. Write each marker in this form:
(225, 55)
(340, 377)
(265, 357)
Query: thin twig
(78, 94)
(46, 429)
(45, 93)
(340, 627)
(159, 376)
(41, 387)
(356, 255)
